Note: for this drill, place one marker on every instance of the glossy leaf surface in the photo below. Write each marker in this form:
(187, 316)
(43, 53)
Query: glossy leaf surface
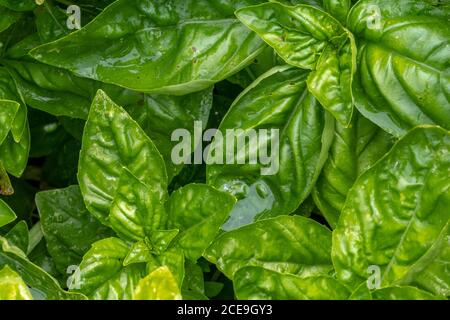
(396, 215)
(255, 283)
(164, 47)
(278, 101)
(403, 79)
(197, 211)
(306, 247)
(112, 141)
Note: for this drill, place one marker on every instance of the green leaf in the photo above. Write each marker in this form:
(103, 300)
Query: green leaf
(7, 18)
(140, 252)
(338, 8)
(19, 5)
(353, 151)
(6, 214)
(198, 211)
(435, 277)
(18, 236)
(158, 285)
(309, 38)
(174, 260)
(14, 154)
(12, 286)
(292, 130)
(101, 274)
(69, 229)
(403, 79)
(403, 293)
(161, 47)
(40, 257)
(6, 188)
(396, 216)
(42, 284)
(137, 209)
(255, 283)
(113, 141)
(59, 92)
(306, 247)
(161, 115)
(193, 282)
(51, 22)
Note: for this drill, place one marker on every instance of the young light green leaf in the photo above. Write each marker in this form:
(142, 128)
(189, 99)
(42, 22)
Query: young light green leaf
(292, 131)
(12, 286)
(396, 216)
(256, 283)
(173, 259)
(113, 141)
(43, 285)
(101, 274)
(306, 247)
(161, 47)
(198, 211)
(69, 229)
(158, 285)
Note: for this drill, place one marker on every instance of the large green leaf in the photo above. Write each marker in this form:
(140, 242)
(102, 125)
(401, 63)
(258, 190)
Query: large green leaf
(255, 283)
(165, 47)
(309, 38)
(353, 151)
(112, 141)
(61, 93)
(161, 115)
(198, 211)
(396, 216)
(278, 100)
(403, 78)
(101, 274)
(284, 244)
(69, 229)
(12, 286)
(42, 284)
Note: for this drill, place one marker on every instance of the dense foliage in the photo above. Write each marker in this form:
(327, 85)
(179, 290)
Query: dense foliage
(93, 206)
